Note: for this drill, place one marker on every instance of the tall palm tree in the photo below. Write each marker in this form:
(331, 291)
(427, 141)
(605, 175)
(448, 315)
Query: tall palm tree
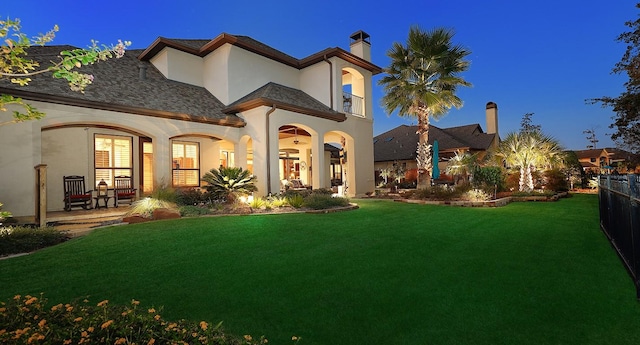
(422, 81)
(528, 151)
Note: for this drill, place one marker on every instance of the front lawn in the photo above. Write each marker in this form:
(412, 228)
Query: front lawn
(387, 273)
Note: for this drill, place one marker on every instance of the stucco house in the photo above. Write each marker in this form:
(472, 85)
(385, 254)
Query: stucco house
(607, 161)
(396, 148)
(169, 113)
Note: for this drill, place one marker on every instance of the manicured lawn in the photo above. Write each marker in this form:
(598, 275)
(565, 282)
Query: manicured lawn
(387, 273)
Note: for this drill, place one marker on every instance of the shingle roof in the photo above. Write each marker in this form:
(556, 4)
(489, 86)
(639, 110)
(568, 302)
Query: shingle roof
(284, 97)
(612, 152)
(118, 86)
(582, 154)
(400, 143)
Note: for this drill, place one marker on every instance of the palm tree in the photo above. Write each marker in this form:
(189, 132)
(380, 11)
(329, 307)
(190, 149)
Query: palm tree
(460, 165)
(528, 151)
(422, 80)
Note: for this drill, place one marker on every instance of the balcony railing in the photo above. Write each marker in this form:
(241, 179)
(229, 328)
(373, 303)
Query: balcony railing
(352, 104)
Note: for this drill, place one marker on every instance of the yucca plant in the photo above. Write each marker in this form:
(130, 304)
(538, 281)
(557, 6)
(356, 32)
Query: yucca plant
(229, 182)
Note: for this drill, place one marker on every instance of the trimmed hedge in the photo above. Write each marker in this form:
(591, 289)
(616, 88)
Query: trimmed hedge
(24, 239)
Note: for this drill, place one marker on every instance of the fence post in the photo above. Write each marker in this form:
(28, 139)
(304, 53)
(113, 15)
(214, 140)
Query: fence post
(634, 210)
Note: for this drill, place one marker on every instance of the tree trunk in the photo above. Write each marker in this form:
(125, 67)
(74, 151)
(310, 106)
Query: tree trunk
(424, 178)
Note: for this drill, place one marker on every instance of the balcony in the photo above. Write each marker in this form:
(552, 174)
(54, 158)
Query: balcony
(352, 104)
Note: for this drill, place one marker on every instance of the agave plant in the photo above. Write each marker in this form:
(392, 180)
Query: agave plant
(229, 182)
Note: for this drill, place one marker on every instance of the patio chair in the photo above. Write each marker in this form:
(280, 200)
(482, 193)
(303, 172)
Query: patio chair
(123, 190)
(296, 184)
(75, 193)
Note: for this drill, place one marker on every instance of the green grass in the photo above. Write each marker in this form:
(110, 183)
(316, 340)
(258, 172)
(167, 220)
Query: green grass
(387, 273)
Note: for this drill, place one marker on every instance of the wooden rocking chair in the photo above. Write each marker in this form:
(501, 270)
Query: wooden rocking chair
(75, 193)
(123, 190)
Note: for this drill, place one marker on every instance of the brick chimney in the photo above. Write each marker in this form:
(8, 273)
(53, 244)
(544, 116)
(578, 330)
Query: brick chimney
(360, 45)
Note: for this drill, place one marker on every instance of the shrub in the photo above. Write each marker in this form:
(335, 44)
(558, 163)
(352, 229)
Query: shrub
(23, 239)
(556, 180)
(193, 211)
(28, 320)
(546, 193)
(321, 201)
(441, 192)
(229, 182)
(489, 178)
(277, 201)
(323, 191)
(295, 200)
(190, 196)
(164, 193)
(4, 214)
(476, 195)
(289, 193)
(257, 203)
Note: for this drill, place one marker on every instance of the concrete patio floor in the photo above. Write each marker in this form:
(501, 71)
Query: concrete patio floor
(79, 222)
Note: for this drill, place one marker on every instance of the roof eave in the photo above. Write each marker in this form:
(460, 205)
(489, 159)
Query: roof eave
(224, 38)
(258, 102)
(228, 121)
(342, 54)
(161, 43)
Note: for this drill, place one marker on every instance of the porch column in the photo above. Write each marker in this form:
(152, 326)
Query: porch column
(274, 161)
(240, 153)
(162, 161)
(318, 162)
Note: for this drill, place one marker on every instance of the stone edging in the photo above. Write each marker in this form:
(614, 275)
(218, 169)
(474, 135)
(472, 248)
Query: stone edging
(351, 206)
(491, 203)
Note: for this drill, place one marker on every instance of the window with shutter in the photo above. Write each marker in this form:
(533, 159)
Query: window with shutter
(112, 157)
(186, 165)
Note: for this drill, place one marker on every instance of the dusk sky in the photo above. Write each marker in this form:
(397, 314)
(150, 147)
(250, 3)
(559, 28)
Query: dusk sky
(544, 57)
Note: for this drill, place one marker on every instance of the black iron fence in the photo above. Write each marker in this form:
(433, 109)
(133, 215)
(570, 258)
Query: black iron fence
(619, 198)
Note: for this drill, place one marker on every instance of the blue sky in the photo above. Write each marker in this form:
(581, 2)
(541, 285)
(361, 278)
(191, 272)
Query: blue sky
(544, 57)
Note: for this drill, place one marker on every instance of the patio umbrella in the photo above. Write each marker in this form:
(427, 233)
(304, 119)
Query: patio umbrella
(436, 171)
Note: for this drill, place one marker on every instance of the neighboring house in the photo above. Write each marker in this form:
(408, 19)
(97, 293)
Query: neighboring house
(397, 147)
(168, 114)
(608, 161)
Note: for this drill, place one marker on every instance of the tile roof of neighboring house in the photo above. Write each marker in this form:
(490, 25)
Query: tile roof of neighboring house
(401, 142)
(287, 98)
(203, 47)
(118, 86)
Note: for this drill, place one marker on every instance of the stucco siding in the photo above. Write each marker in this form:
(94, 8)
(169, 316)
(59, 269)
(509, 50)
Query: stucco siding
(216, 73)
(20, 154)
(314, 80)
(180, 66)
(251, 71)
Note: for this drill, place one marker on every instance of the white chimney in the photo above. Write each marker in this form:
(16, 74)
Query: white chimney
(360, 45)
